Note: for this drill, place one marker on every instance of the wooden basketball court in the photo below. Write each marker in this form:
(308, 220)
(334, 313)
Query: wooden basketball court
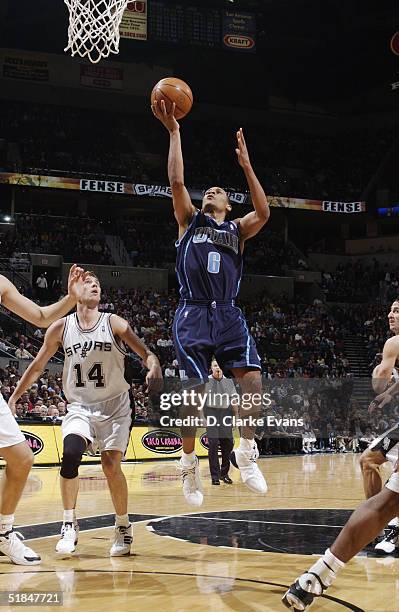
(238, 552)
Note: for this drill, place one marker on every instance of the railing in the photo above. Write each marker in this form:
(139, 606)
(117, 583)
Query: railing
(13, 268)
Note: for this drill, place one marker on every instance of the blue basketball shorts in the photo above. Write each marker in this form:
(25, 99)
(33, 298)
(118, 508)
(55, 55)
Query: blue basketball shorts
(202, 330)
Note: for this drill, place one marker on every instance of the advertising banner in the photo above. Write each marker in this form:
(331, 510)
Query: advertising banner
(153, 443)
(25, 67)
(100, 77)
(41, 439)
(239, 31)
(134, 21)
(163, 191)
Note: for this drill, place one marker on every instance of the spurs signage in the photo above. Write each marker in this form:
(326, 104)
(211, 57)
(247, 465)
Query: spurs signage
(162, 191)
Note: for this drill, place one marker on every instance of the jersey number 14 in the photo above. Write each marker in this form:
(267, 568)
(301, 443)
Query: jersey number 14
(95, 374)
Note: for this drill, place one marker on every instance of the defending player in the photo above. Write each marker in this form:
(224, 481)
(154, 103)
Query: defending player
(99, 404)
(207, 322)
(13, 446)
(382, 449)
(368, 519)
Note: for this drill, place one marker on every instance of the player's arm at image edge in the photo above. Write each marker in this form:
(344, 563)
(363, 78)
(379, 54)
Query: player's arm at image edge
(51, 343)
(383, 372)
(41, 316)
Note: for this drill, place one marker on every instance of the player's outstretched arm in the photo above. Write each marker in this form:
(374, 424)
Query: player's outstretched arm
(52, 340)
(183, 207)
(41, 316)
(384, 398)
(383, 372)
(121, 329)
(253, 222)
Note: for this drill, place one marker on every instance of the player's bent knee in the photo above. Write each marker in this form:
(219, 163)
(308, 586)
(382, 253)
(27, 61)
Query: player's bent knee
(19, 458)
(371, 461)
(74, 447)
(27, 460)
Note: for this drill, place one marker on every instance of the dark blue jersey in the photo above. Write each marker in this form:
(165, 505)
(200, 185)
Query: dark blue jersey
(209, 260)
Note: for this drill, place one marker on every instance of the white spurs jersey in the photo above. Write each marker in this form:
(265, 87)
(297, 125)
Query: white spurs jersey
(94, 363)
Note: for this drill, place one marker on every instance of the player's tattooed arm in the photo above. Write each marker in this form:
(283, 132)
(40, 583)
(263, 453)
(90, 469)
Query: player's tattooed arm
(41, 316)
(52, 341)
(383, 372)
(182, 205)
(253, 222)
(121, 329)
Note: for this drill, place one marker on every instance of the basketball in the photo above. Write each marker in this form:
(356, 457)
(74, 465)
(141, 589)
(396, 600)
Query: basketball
(174, 90)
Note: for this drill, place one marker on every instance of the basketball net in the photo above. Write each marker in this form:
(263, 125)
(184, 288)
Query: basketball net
(93, 30)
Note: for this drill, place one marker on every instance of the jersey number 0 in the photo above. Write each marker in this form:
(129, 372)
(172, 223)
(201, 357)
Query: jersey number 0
(95, 374)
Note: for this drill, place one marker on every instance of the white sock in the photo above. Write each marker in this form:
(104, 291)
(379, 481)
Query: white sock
(122, 520)
(6, 522)
(246, 444)
(188, 458)
(327, 568)
(394, 522)
(69, 516)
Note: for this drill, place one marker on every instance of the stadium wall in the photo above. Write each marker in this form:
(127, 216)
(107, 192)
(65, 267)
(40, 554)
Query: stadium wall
(45, 440)
(330, 261)
(123, 276)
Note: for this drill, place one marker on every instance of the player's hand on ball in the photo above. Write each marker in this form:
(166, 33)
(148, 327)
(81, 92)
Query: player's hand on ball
(242, 151)
(75, 275)
(168, 119)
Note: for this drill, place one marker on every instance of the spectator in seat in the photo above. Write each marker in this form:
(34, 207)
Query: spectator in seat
(22, 353)
(38, 334)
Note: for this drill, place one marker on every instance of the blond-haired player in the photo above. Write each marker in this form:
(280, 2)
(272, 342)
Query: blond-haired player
(98, 403)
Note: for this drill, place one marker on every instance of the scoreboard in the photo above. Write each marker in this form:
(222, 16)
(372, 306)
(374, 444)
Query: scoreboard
(166, 22)
(203, 27)
(190, 25)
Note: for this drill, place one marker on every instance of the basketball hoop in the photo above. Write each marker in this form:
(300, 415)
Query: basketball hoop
(93, 30)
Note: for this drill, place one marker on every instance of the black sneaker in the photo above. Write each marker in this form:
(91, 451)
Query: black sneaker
(299, 600)
(389, 542)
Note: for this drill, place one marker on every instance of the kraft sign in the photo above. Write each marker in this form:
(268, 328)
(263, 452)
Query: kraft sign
(238, 42)
(239, 31)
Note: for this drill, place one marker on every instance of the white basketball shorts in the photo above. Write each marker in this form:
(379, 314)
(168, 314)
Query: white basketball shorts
(10, 433)
(108, 422)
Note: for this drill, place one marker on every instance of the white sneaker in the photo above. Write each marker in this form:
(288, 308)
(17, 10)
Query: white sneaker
(93, 449)
(251, 475)
(11, 546)
(123, 538)
(69, 538)
(192, 487)
(390, 542)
